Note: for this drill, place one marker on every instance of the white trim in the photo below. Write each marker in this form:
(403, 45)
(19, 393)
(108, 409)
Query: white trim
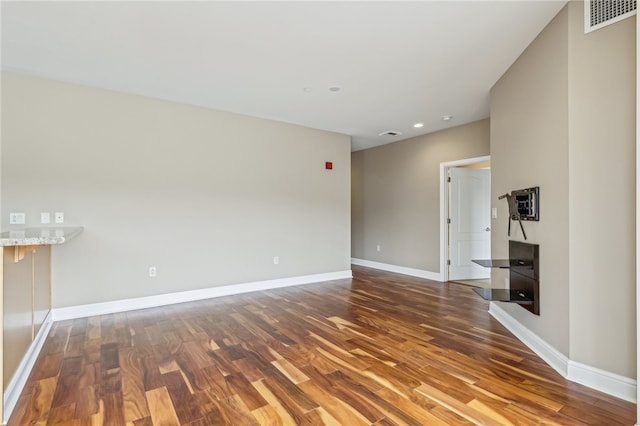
(398, 269)
(604, 381)
(82, 311)
(557, 360)
(19, 378)
(444, 202)
(595, 378)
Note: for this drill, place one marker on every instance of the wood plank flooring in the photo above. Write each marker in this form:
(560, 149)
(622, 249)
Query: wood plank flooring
(381, 349)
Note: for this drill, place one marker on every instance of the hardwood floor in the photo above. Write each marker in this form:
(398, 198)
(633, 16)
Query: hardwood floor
(380, 349)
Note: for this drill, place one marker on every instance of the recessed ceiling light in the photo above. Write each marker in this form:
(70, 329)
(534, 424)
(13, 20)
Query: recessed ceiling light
(334, 89)
(418, 125)
(447, 117)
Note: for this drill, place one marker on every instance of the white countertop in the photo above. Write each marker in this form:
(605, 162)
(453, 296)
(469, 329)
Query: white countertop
(39, 236)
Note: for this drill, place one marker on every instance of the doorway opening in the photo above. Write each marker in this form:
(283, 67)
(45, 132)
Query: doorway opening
(465, 213)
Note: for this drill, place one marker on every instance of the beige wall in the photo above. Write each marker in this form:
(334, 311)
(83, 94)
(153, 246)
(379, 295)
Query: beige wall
(566, 109)
(602, 194)
(2, 356)
(207, 197)
(529, 148)
(396, 195)
(26, 302)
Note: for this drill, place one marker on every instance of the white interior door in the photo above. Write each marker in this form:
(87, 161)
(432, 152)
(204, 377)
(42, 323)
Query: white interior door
(470, 226)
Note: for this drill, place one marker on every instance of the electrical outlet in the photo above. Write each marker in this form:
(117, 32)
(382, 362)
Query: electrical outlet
(378, 247)
(45, 218)
(17, 218)
(276, 260)
(59, 217)
(152, 271)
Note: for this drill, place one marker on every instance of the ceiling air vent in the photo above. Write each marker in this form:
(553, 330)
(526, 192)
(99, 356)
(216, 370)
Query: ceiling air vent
(390, 133)
(600, 13)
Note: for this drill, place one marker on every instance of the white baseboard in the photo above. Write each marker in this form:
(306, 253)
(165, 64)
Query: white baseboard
(19, 378)
(556, 359)
(435, 276)
(595, 378)
(613, 384)
(82, 311)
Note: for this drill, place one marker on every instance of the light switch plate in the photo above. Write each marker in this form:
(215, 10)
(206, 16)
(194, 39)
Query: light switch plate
(17, 218)
(45, 218)
(59, 217)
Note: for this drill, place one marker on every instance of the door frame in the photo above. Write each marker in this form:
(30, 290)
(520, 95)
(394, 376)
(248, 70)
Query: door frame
(444, 206)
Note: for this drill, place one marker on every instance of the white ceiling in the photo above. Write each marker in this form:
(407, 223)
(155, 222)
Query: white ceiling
(396, 63)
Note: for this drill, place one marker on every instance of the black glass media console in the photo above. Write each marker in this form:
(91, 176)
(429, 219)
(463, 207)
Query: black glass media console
(524, 284)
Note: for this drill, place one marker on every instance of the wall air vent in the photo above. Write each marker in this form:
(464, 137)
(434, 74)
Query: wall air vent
(390, 133)
(600, 13)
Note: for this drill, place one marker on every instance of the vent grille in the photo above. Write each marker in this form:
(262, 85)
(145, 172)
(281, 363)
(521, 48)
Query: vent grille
(390, 133)
(600, 13)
